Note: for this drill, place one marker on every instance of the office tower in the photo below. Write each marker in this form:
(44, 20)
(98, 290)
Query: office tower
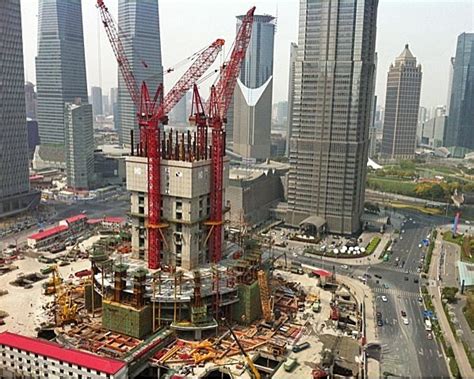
(60, 65)
(252, 106)
(460, 129)
(179, 115)
(291, 86)
(15, 195)
(373, 129)
(142, 46)
(79, 135)
(334, 70)
(30, 100)
(97, 106)
(105, 105)
(432, 132)
(402, 102)
(450, 83)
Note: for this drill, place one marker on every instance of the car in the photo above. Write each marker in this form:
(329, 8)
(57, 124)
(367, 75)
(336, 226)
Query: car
(378, 315)
(379, 322)
(415, 280)
(378, 276)
(468, 222)
(406, 278)
(420, 245)
(404, 314)
(397, 259)
(429, 336)
(295, 255)
(407, 271)
(368, 276)
(405, 321)
(401, 238)
(418, 270)
(345, 267)
(384, 298)
(301, 347)
(420, 299)
(385, 285)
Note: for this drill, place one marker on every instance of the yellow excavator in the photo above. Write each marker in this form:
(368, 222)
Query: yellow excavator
(253, 370)
(54, 282)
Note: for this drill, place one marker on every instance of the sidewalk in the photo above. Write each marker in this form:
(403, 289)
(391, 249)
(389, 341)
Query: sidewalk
(435, 292)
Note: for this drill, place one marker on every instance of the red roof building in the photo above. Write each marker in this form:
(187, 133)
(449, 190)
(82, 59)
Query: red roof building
(74, 219)
(48, 233)
(114, 220)
(62, 357)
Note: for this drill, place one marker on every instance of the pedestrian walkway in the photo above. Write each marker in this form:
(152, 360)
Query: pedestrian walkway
(458, 349)
(395, 292)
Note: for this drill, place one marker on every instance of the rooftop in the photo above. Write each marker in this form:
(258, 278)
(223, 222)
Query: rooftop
(466, 273)
(76, 218)
(61, 353)
(48, 232)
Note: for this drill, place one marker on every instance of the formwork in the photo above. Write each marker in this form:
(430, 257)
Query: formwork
(249, 307)
(127, 320)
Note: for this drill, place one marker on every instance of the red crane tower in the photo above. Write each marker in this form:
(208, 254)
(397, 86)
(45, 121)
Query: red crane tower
(219, 101)
(152, 112)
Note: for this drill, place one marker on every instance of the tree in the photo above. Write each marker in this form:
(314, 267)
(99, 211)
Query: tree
(449, 293)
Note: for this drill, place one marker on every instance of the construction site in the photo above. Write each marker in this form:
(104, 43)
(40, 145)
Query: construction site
(169, 301)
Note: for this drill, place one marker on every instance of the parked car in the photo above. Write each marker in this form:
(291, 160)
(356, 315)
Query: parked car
(379, 322)
(384, 298)
(404, 314)
(301, 347)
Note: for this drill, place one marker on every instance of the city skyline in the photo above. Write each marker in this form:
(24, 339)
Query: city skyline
(436, 26)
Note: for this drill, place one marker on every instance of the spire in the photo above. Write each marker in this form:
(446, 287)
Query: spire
(406, 54)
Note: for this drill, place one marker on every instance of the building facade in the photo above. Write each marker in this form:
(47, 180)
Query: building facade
(460, 129)
(432, 132)
(60, 65)
(291, 89)
(97, 104)
(79, 144)
(143, 49)
(331, 112)
(15, 194)
(402, 102)
(251, 123)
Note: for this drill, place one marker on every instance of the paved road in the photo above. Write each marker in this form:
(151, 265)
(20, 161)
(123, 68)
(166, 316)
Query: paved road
(406, 350)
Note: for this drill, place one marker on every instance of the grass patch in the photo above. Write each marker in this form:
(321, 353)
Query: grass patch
(395, 185)
(449, 237)
(469, 353)
(417, 208)
(429, 253)
(373, 245)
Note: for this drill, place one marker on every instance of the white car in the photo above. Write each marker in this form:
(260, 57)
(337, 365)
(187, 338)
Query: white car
(405, 321)
(384, 298)
(420, 245)
(345, 267)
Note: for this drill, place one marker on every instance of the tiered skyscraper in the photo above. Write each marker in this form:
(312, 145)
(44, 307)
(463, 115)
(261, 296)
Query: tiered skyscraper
(140, 28)
(402, 102)
(460, 129)
(60, 65)
(253, 94)
(15, 192)
(331, 110)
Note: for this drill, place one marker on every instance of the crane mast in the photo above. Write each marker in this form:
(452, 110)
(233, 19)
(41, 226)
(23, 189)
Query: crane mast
(152, 112)
(219, 101)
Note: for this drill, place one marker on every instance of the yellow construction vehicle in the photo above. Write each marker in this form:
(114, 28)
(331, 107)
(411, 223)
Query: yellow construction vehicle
(66, 309)
(253, 370)
(54, 282)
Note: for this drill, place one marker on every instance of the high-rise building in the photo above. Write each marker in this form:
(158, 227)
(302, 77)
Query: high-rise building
(291, 86)
(334, 70)
(31, 100)
(143, 49)
(450, 83)
(432, 131)
(179, 114)
(79, 135)
(105, 105)
(460, 128)
(15, 195)
(402, 102)
(60, 65)
(97, 106)
(252, 106)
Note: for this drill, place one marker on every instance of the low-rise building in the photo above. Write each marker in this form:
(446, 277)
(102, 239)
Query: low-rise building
(48, 237)
(25, 357)
(76, 223)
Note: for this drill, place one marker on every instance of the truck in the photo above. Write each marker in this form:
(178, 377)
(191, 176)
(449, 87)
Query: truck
(316, 307)
(290, 364)
(47, 270)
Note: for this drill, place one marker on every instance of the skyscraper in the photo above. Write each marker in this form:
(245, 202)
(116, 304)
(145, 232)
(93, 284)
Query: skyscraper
(450, 83)
(402, 102)
(79, 135)
(60, 65)
(252, 106)
(31, 100)
(15, 192)
(291, 85)
(142, 46)
(331, 110)
(460, 128)
(97, 106)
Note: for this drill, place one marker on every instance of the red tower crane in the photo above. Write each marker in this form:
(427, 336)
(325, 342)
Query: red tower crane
(219, 101)
(152, 112)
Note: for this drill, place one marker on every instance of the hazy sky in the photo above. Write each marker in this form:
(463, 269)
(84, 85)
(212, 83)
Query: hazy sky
(430, 27)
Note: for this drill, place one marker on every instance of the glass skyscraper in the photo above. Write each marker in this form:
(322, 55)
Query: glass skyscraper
(331, 113)
(15, 192)
(60, 65)
(140, 33)
(460, 129)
